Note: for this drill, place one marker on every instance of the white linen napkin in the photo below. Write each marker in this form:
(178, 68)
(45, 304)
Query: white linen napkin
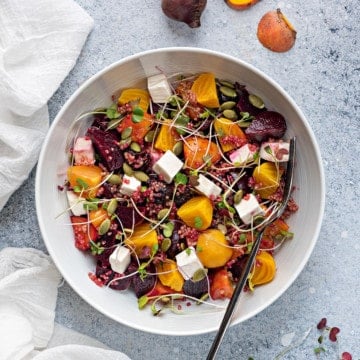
(40, 41)
(28, 290)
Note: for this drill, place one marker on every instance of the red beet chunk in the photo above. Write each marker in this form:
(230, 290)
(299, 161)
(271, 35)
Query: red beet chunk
(196, 288)
(106, 144)
(265, 125)
(128, 216)
(142, 285)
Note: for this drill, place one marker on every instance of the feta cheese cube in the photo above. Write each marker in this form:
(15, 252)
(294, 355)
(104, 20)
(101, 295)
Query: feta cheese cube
(168, 166)
(248, 208)
(244, 154)
(188, 263)
(207, 187)
(120, 259)
(83, 151)
(129, 185)
(275, 151)
(159, 88)
(76, 203)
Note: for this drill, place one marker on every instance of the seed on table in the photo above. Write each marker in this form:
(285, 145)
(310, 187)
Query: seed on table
(165, 244)
(238, 196)
(178, 148)
(162, 213)
(227, 83)
(199, 275)
(149, 137)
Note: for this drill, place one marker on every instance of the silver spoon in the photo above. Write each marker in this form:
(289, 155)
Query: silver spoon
(240, 285)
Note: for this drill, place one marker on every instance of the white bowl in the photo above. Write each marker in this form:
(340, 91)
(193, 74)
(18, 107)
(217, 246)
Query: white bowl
(133, 71)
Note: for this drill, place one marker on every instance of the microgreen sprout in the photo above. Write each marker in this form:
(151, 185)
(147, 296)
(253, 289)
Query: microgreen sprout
(137, 114)
(96, 248)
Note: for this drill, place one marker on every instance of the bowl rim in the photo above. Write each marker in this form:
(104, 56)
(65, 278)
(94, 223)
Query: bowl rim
(203, 51)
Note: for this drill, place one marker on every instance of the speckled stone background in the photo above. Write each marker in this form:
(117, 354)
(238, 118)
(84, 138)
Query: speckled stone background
(321, 73)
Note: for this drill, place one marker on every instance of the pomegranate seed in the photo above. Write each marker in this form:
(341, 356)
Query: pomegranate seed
(321, 324)
(333, 332)
(346, 356)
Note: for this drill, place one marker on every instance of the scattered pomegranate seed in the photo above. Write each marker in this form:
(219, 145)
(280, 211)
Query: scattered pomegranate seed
(321, 324)
(333, 332)
(346, 356)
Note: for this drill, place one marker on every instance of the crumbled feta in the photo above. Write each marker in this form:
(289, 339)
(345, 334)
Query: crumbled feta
(168, 166)
(83, 151)
(248, 208)
(129, 185)
(275, 151)
(244, 154)
(188, 263)
(159, 88)
(207, 187)
(76, 203)
(120, 259)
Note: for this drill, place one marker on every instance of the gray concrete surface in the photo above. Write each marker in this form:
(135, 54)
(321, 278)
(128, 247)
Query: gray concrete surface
(321, 73)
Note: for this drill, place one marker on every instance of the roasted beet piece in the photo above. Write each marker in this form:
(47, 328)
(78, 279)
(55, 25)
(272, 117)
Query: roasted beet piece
(237, 267)
(143, 285)
(266, 124)
(196, 288)
(121, 283)
(243, 104)
(106, 144)
(128, 216)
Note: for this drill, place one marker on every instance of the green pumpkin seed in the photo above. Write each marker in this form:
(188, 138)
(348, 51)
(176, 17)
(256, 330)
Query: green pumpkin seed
(227, 105)
(227, 91)
(178, 148)
(162, 213)
(113, 124)
(134, 146)
(141, 176)
(104, 227)
(244, 124)
(165, 244)
(112, 206)
(227, 83)
(199, 275)
(149, 137)
(127, 169)
(115, 179)
(222, 228)
(230, 114)
(126, 133)
(256, 101)
(238, 196)
(124, 143)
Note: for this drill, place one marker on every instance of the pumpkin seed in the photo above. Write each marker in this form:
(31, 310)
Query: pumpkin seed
(256, 101)
(178, 148)
(115, 179)
(227, 83)
(124, 143)
(165, 244)
(230, 114)
(134, 146)
(141, 176)
(104, 227)
(127, 169)
(227, 105)
(222, 228)
(162, 213)
(227, 91)
(238, 196)
(126, 133)
(244, 124)
(149, 137)
(199, 274)
(112, 206)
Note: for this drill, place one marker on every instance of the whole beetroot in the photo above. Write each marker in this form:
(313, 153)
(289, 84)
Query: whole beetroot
(187, 11)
